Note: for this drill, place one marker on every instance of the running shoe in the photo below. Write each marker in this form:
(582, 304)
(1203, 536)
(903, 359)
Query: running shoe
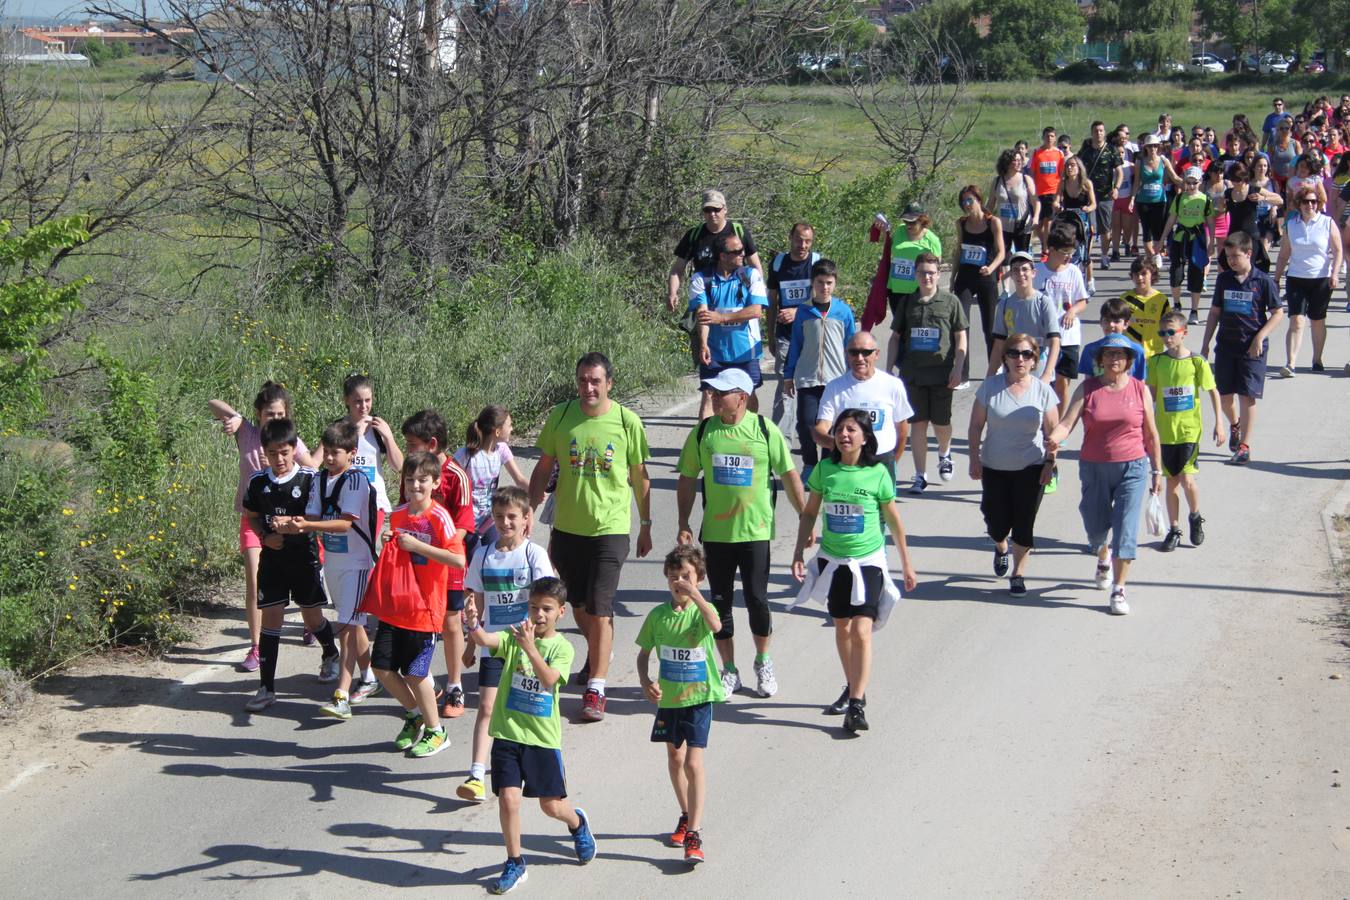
(693, 848)
(1053, 484)
(1092, 286)
(1317, 366)
(251, 661)
(1286, 372)
(471, 790)
(364, 690)
(838, 707)
(1118, 605)
(1158, 260)
(1233, 438)
(582, 839)
(1115, 257)
(433, 741)
(592, 706)
(1001, 560)
(1017, 586)
(731, 681)
(328, 668)
(919, 483)
(309, 640)
(339, 707)
(766, 682)
(410, 732)
(261, 700)
(681, 830)
(1106, 260)
(1103, 576)
(453, 707)
(855, 720)
(1193, 319)
(1241, 456)
(1172, 541)
(963, 386)
(513, 874)
(945, 467)
(1197, 529)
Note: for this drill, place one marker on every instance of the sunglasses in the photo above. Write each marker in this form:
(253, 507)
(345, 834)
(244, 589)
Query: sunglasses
(739, 251)
(1307, 200)
(1169, 332)
(967, 201)
(861, 353)
(711, 209)
(726, 393)
(1020, 354)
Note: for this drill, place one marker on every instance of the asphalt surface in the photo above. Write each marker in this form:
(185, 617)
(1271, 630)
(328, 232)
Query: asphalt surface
(1029, 748)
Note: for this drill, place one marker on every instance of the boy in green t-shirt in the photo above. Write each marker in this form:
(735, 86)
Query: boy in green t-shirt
(681, 632)
(1175, 377)
(526, 727)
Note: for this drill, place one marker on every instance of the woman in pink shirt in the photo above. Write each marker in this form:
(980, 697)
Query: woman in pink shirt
(1120, 439)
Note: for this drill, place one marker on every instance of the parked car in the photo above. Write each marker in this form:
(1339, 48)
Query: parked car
(1102, 63)
(1206, 62)
(1273, 64)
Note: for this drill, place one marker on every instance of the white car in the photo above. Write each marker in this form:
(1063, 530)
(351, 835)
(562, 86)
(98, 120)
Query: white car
(1206, 62)
(1273, 63)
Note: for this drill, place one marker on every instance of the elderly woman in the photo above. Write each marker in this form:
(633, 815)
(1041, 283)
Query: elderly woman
(1120, 459)
(1012, 410)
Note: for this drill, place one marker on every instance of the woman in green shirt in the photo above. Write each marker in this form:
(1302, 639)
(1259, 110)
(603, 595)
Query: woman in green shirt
(850, 570)
(905, 248)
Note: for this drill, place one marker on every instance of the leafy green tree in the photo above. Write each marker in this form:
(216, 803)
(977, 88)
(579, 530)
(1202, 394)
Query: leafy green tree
(1154, 32)
(1025, 36)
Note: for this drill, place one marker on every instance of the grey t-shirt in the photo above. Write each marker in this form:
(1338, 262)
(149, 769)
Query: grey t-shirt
(1012, 438)
(1036, 316)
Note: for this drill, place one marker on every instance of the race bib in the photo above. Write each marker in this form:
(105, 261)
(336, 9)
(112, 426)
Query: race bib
(529, 697)
(335, 543)
(876, 416)
(924, 339)
(506, 608)
(1179, 399)
(1262, 210)
(731, 470)
(1008, 213)
(366, 466)
(843, 518)
(1048, 167)
(974, 254)
(684, 664)
(902, 269)
(1151, 192)
(793, 293)
(1241, 303)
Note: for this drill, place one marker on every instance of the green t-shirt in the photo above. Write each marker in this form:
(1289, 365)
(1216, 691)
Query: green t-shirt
(736, 463)
(683, 644)
(1177, 385)
(927, 329)
(1191, 212)
(525, 711)
(903, 253)
(851, 498)
(594, 454)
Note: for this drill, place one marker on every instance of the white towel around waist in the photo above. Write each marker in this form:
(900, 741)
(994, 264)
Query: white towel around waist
(817, 584)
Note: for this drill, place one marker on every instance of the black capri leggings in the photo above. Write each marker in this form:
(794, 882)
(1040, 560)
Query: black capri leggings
(1152, 218)
(1179, 262)
(982, 292)
(752, 559)
(1010, 501)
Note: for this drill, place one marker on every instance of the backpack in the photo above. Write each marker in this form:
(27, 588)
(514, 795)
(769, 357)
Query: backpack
(779, 257)
(328, 506)
(697, 232)
(764, 433)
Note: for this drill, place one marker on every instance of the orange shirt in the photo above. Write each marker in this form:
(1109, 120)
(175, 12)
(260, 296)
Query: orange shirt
(1046, 168)
(435, 528)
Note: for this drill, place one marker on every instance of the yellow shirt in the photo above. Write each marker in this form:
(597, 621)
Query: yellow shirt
(1145, 316)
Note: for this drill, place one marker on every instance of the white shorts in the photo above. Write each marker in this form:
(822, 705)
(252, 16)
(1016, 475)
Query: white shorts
(346, 587)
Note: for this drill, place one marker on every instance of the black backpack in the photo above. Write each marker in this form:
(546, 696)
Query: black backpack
(328, 506)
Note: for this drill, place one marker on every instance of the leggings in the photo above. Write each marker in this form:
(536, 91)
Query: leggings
(1009, 501)
(1152, 218)
(983, 291)
(752, 559)
(1180, 265)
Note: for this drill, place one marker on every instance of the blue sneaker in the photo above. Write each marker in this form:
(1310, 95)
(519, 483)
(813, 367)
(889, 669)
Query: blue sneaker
(583, 840)
(513, 873)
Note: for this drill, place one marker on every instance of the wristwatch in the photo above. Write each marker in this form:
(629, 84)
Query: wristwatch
(645, 523)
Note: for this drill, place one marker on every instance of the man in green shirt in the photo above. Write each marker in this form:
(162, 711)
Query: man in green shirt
(739, 455)
(601, 451)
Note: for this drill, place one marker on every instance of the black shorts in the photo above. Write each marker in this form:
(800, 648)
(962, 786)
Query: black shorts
(589, 567)
(400, 650)
(1308, 297)
(840, 599)
(683, 725)
(537, 770)
(1179, 458)
(1103, 216)
(1237, 373)
(490, 670)
(1047, 207)
(284, 579)
(1067, 364)
(931, 403)
(454, 601)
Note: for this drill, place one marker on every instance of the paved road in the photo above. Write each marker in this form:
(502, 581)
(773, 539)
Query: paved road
(1018, 748)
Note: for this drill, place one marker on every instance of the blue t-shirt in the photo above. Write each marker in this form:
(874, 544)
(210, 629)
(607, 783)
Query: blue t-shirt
(740, 342)
(1087, 360)
(1245, 306)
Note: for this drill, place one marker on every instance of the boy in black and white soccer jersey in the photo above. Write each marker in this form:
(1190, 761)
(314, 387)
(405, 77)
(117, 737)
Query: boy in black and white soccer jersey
(289, 568)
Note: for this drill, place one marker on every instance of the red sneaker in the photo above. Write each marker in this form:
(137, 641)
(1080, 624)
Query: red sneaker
(693, 848)
(592, 706)
(677, 836)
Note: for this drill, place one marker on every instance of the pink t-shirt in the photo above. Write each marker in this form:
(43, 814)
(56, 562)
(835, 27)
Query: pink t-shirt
(249, 441)
(1113, 422)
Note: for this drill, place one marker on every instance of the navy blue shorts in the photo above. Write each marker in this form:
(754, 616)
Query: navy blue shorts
(454, 601)
(537, 770)
(750, 368)
(1237, 373)
(400, 650)
(490, 670)
(683, 725)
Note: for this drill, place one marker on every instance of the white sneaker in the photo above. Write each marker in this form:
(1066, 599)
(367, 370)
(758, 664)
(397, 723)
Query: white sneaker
(362, 690)
(1092, 286)
(918, 484)
(1103, 577)
(261, 700)
(946, 468)
(1118, 605)
(1286, 371)
(766, 684)
(328, 668)
(963, 386)
(731, 682)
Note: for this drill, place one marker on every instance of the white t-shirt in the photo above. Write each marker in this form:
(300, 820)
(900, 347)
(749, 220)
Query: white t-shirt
(369, 459)
(1308, 241)
(502, 578)
(1065, 288)
(883, 396)
(348, 551)
(484, 468)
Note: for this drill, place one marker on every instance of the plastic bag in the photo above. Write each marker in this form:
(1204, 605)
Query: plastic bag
(1156, 515)
(393, 588)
